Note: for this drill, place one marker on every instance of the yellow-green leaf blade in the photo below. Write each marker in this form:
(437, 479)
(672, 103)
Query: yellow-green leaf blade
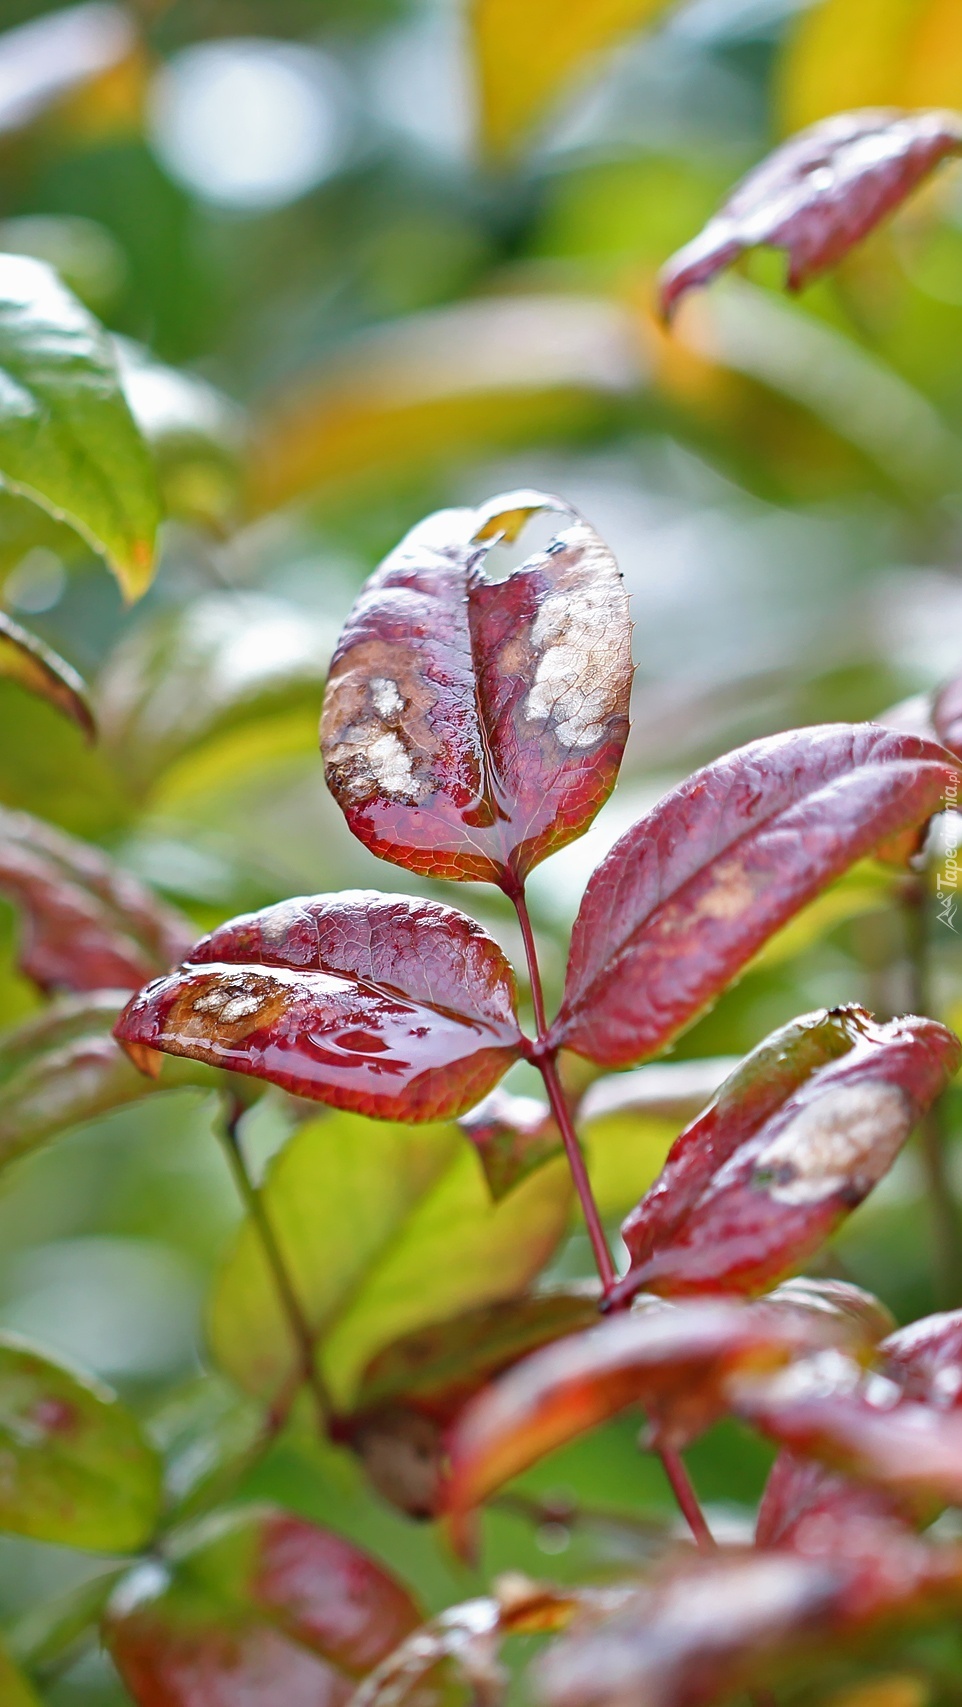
(67, 438)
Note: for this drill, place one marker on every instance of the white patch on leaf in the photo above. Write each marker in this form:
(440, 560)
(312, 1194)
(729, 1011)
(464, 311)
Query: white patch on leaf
(387, 699)
(849, 1137)
(580, 635)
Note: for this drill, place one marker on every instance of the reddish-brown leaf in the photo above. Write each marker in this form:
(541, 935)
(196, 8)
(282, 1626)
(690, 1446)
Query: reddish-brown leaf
(472, 727)
(818, 195)
(804, 1501)
(674, 1362)
(695, 888)
(38, 668)
(778, 1189)
(695, 1635)
(257, 1607)
(86, 923)
(396, 1008)
(513, 1136)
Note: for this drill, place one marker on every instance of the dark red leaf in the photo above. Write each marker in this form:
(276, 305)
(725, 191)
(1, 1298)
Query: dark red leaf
(87, 923)
(259, 1607)
(693, 890)
(472, 727)
(800, 1495)
(415, 1389)
(513, 1136)
(818, 195)
(696, 1635)
(674, 1362)
(38, 668)
(397, 1008)
(776, 1193)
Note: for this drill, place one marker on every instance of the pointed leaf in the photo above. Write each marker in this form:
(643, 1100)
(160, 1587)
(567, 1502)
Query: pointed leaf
(472, 727)
(37, 667)
(87, 923)
(67, 437)
(255, 1606)
(77, 1469)
(63, 1067)
(527, 55)
(805, 1157)
(397, 1008)
(513, 1136)
(695, 888)
(818, 195)
(674, 1362)
(381, 1226)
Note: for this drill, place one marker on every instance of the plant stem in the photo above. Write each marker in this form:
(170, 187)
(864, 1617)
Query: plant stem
(531, 956)
(681, 1487)
(946, 1226)
(297, 1321)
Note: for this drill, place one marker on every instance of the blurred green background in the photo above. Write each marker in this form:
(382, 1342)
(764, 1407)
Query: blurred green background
(340, 309)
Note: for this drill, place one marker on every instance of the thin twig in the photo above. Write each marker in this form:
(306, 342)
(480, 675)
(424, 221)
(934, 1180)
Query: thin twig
(946, 1224)
(297, 1321)
(688, 1501)
(545, 1060)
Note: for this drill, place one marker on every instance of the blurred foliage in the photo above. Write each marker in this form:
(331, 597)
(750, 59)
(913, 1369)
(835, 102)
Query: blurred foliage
(453, 298)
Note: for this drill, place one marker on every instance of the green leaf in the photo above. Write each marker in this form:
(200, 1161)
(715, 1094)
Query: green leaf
(385, 1228)
(67, 437)
(76, 1467)
(41, 670)
(15, 1691)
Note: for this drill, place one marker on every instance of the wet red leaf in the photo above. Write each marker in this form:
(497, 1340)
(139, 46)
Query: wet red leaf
(693, 890)
(818, 195)
(86, 923)
(396, 1008)
(695, 1635)
(780, 1188)
(513, 1136)
(257, 1606)
(472, 727)
(926, 1360)
(673, 1361)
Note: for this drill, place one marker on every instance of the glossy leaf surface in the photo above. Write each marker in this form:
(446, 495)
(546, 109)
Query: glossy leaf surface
(527, 55)
(674, 1362)
(67, 437)
(384, 1229)
(77, 1469)
(396, 1008)
(472, 727)
(63, 1067)
(29, 661)
(755, 1200)
(802, 1499)
(691, 892)
(255, 1606)
(818, 195)
(513, 1136)
(86, 923)
(696, 1635)
(925, 1359)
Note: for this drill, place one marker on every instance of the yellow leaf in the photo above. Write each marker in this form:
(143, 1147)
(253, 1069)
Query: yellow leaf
(897, 1690)
(865, 53)
(527, 51)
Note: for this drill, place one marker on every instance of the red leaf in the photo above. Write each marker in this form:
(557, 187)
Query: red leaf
(804, 1503)
(695, 1636)
(818, 195)
(257, 1606)
(513, 1136)
(771, 1190)
(397, 1008)
(693, 890)
(472, 727)
(672, 1361)
(87, 923)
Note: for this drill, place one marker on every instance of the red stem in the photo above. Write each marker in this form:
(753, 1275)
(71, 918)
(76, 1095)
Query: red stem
(544, 1059)
(687, 1499)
